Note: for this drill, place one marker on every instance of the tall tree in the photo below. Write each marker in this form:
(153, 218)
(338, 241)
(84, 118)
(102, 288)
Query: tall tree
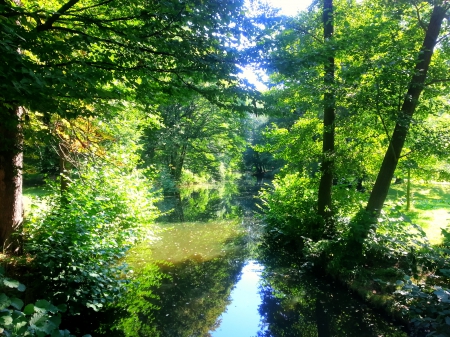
(404, 119)
(76, 55)
(11, 162)
(324, 201)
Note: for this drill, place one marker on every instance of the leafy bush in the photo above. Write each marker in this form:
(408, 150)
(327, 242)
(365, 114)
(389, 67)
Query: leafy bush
(39, 319)
(402, 244)
(428, 307)
(77, 242)
(397, 238)
(290, 214)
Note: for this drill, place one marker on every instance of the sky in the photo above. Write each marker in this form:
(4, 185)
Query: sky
(290, 7)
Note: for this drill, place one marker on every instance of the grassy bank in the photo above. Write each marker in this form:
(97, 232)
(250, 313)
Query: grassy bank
(430, 206)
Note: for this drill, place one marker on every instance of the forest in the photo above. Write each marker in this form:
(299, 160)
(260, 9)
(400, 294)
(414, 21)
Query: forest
(107, 106)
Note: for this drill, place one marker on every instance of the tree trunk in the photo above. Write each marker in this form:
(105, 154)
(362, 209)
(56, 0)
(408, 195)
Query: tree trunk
(408, 190)
(366, 220)
(327, 167)
(386, 173)
(11, 160)
(64, 166)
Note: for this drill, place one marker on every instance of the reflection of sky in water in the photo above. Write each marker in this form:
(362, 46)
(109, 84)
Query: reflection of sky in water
(241, 318)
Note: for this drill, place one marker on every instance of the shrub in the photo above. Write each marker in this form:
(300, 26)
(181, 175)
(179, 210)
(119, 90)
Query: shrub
(39, 319)
(290, 214)
(78, 241)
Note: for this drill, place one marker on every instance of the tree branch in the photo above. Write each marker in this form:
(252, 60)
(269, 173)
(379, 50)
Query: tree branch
(441, 80)
(421, 23)
(148, 50)
(48, 24)
(89, 7)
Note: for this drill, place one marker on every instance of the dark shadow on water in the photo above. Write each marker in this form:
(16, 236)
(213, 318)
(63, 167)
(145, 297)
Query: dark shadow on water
(297, 303)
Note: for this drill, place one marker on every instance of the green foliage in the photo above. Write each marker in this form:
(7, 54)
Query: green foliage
(290, 213)
(427, 307)
(39, 319)
(79, 238)
(76, 245)
(395, 237)
(111, 50)
(401, 248)
(139, 301)
(195, 139)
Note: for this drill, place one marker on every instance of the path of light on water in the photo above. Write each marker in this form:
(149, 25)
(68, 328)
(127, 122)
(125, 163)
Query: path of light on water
(241, 318)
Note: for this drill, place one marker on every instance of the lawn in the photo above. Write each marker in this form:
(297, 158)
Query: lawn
(32, 198)
(430, 206)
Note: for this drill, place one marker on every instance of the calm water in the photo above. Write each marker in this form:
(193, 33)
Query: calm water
(210, 283)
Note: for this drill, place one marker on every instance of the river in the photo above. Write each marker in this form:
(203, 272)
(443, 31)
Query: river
(203, 278)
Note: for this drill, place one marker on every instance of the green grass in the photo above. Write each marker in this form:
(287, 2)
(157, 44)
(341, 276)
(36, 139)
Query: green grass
(430, 206)
(32, 198)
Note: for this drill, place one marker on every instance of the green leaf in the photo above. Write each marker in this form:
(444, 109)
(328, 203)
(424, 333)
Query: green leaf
(11, 283)
(5, 320)
(42, 305)
(53, 309)
(55, 321)
(62, 307)
(29, 309)
(17, 303)
(4, 301)
(57, 333)
(37, 319)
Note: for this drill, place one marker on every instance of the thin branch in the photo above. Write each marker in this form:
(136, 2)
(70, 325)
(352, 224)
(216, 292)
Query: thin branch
(406, 154)
(89, 7)
(381, 118)
(304, 31)
(112, 66)
(146, 49)
(48, 24)
(443, 38)
(421, 23)
(442, 80)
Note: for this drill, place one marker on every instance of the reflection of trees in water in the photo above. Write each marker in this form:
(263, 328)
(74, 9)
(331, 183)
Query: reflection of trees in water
(189, 302)
(224, 201)
(300, 305)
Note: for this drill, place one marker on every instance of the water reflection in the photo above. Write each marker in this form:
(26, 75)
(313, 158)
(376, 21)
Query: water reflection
(227, 201)
(241, 319)
(295, 303)
(192, 299)
(204, 286)
(199, 264)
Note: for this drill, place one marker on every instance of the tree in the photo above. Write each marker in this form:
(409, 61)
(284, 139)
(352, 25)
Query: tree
(195, 135)
(404, 119)
(11, 162)
(324, 204)
(71, 58)
(366, 218)
(379, 50)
